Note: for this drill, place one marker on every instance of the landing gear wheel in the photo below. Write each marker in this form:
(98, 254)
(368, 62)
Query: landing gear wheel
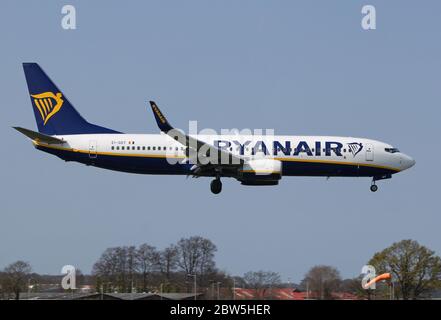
(216, 186)
(374, 188)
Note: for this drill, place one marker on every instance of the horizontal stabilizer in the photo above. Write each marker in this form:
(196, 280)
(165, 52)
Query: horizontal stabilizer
(40, 137)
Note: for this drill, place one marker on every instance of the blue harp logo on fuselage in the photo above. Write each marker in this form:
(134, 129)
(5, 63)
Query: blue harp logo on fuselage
(355, 148)
(48, 104)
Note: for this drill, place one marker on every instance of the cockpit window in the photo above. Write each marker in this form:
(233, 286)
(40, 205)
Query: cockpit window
(391, 150)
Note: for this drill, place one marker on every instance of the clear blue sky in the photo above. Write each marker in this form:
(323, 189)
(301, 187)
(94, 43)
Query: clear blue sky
(300, 67)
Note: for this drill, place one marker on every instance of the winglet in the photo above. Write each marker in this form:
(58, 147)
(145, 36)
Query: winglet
(160, 118)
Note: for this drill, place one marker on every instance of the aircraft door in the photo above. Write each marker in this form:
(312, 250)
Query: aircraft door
(92, 149)
(369, 152)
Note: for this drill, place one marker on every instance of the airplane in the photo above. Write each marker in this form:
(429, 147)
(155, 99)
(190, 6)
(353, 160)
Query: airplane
(253, 160)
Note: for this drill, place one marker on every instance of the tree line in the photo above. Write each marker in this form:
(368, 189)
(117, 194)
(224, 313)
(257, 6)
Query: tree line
(145, 268)
(415, 271)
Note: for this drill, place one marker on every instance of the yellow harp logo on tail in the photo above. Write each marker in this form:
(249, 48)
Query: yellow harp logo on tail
(48, 104)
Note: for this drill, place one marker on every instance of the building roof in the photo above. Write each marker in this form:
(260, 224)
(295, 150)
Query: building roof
(285, 294)
(98, 296)
(130, 296)
(54, 295)
(178, 296)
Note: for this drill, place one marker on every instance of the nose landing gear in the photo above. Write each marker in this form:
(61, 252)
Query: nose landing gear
(216, 186)
(374, 187)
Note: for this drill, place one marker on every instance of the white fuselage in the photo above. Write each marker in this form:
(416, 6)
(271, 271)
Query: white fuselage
(325, 150)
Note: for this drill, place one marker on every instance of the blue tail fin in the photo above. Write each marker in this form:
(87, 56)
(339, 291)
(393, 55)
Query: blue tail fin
(53, 112)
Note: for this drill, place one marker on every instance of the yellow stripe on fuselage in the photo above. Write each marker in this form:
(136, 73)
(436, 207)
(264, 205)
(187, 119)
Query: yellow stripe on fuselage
(143, 155)
(260, 171)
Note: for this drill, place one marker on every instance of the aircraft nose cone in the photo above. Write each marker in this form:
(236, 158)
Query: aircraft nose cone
(407, 162)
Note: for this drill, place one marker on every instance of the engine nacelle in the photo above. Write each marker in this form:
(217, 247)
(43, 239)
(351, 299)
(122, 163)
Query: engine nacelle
(261, 172)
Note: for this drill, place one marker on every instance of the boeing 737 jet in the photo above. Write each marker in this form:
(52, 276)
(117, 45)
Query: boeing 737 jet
(253, 160)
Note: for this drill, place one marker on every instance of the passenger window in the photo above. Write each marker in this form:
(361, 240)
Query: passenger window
(117, 148)
(154, 148)
(159, 148)
(122, 148)
(148, 148)
(143, 148)
(113, 148)
(176, 149)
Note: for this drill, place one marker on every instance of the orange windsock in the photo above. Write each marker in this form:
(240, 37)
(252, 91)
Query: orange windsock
(381, 277)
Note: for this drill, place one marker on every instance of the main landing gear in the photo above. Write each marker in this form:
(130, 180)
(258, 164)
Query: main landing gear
(216, 186)
(374, 187)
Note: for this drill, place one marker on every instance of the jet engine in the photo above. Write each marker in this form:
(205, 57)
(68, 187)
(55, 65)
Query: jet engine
(260, 172)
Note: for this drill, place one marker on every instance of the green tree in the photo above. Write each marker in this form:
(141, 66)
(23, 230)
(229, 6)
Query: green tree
(415, 269)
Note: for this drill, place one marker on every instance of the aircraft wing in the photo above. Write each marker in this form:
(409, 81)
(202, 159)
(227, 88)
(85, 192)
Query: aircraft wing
(224, 158)
(39, 137)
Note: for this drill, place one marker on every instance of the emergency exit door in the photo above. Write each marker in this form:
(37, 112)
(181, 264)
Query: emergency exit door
(369, 152)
